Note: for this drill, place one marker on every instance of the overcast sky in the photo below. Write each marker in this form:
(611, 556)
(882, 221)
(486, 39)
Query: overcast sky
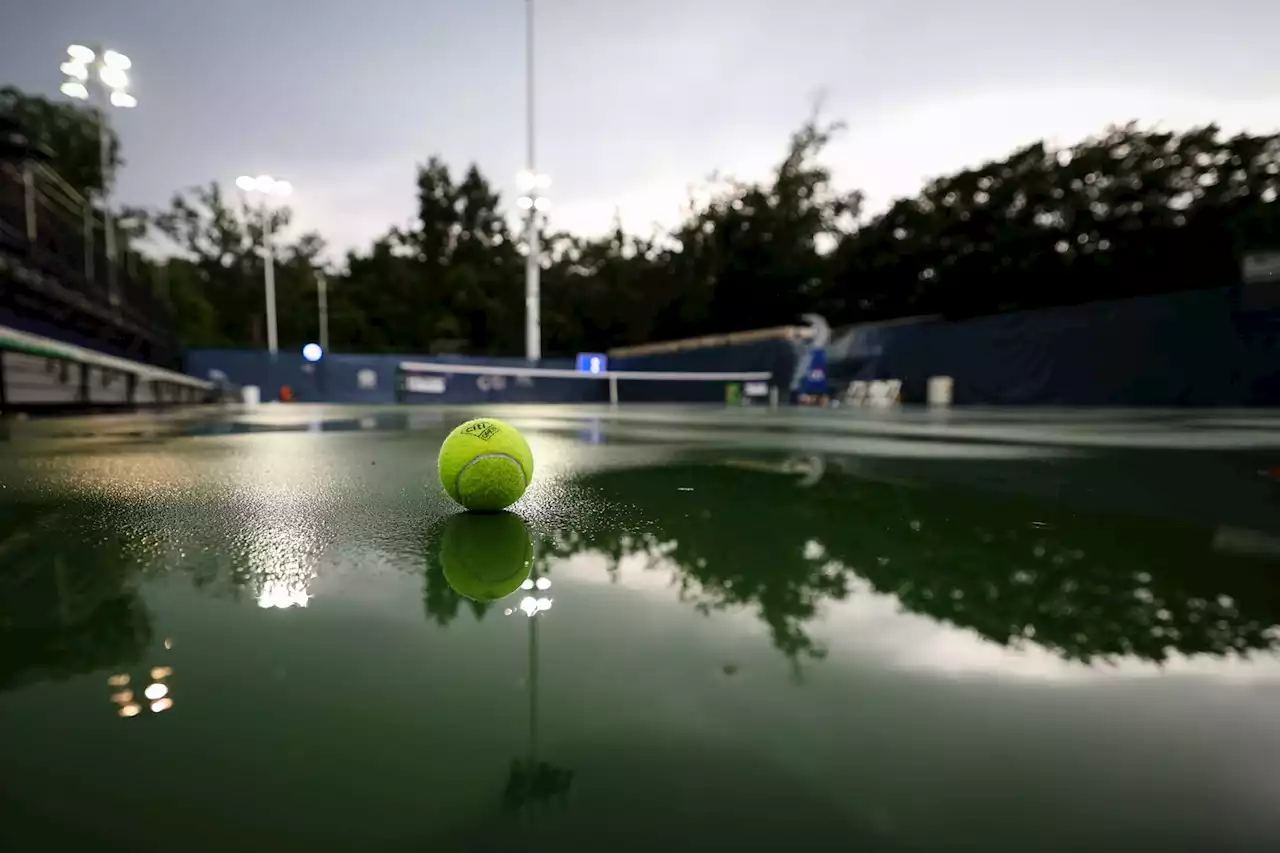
(637, 99)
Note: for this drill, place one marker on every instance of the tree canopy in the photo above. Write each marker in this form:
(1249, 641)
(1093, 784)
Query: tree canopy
(66, 133)
(1130, 211)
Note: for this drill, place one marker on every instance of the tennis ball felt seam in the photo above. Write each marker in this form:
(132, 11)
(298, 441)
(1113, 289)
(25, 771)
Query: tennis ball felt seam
(457, 481)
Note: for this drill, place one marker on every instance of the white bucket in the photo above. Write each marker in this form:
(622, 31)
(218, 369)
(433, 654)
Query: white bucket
(250, 395)
(940, 390)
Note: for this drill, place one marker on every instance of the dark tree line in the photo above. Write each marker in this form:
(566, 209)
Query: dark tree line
(1126, 213)
(65, 133)
(1131, 211)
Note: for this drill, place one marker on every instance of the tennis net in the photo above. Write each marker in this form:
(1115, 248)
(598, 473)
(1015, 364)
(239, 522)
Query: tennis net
(444, 382)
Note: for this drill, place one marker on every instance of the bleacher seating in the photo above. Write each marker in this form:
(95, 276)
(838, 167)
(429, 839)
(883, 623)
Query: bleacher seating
(75, 330)
(43, 374)
(54, 271)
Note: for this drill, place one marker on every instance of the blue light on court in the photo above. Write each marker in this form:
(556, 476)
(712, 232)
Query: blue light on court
(593, 362)
(312, 352)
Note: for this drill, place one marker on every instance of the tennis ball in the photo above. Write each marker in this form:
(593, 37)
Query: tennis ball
(485, 465)
(486, 557)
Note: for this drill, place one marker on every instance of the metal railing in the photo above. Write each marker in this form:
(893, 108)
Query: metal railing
(53, 248)
(38, 373)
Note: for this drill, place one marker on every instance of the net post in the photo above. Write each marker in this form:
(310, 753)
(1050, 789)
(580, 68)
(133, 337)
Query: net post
(613, 392)
(773, 398)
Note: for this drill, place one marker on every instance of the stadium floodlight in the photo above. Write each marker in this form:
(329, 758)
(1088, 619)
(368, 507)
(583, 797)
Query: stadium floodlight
(100, 77)
(75, 70)
(312, 352)
(75, 89)
(542, 204)
(115, 59)
(529, 183)
(264, 184)
(113, 78)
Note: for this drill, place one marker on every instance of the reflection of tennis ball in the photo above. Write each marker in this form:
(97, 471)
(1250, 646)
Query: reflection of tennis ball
(486, 557)
(485, 464)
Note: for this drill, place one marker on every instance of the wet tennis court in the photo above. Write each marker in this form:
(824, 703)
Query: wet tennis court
(901, 631)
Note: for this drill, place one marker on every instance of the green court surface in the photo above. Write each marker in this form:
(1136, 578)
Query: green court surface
(898, 631)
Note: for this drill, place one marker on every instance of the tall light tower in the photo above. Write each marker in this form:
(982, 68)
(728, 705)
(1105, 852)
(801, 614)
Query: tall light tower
(265, 187)
(531, 185)
(101, 77)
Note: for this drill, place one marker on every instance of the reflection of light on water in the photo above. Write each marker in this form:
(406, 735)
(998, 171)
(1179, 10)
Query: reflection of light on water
(283, 594)
(157, 692)
(286, 492)
(532, 606)
(280, 550)
(529, 605)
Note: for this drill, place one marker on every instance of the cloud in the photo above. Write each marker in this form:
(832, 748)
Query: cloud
(352, 204)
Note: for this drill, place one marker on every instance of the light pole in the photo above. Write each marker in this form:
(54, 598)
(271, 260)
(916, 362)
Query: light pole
(322, 299)
(266, 186)
(101, 77)
(531, 183)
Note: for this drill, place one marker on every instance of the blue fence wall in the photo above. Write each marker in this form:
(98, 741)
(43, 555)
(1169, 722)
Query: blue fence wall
(336, 378)
(1196, 348)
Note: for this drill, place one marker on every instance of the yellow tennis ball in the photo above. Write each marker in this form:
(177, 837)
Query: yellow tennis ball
(485, 465)
(486, 557)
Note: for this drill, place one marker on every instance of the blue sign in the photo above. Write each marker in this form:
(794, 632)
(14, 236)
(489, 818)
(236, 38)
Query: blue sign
(815, 379)
(593, 362)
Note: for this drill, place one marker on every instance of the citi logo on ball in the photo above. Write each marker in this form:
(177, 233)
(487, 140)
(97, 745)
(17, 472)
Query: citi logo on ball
(482, 430)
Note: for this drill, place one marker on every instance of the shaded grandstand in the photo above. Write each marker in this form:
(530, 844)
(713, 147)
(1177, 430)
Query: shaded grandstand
(76, 330)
